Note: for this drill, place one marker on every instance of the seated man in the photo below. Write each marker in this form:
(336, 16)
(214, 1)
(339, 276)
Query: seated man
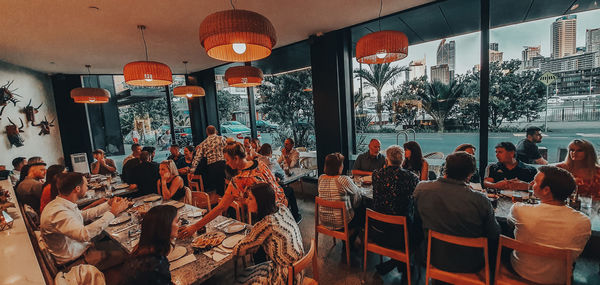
(369, 161)
(289, 155)
(449, 206)
(63, 229)
(527, 150)
(145, 175)
(551, 223)
(508, 173)
(18, 164)
(175, 155)
(102, 165)
(136, 150)
(29, 190)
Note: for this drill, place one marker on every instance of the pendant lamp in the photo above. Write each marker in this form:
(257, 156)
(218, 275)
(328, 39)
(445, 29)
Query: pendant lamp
(87, 95)
(382, 46)
(147, 73)
(237, 35)
(243, 76)
(188, 91)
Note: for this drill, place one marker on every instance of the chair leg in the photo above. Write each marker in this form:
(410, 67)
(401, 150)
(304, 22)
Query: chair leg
(348, 252)
(408, 274)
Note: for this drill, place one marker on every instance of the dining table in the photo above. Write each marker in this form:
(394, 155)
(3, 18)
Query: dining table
(296, 174)
(196, 265)
(98, 189)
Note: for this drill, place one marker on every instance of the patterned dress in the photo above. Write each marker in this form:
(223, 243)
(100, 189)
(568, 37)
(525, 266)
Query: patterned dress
(337, 188)
(279, 236)
(258, 172)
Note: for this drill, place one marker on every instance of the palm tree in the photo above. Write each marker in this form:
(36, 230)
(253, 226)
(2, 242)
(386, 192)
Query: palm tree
(377, 76)
(439, 99)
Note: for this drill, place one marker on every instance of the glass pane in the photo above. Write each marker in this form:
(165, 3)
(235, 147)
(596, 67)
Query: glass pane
(232, 103)
(181, 115)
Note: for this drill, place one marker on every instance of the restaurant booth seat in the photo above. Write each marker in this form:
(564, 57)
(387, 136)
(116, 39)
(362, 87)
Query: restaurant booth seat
(452, 277)
(403, 256)
(336, 234)
(503, 276)
(309, 258)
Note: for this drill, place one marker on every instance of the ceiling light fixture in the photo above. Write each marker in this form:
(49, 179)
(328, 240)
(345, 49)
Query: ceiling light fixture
(243, 76)
(147, 73)
(382, 46)
(237, 35)
(87, 95)
(188, 91)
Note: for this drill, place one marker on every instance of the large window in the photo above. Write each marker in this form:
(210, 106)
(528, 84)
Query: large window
(232, 103)
(568, 108)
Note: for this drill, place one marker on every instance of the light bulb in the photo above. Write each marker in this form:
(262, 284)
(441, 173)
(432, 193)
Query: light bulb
(148, 77)
(92, 99)
(189, 95)
(381, 54)
(239, 48)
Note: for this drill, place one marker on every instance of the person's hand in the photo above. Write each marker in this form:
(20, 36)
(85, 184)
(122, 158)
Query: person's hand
(186, 232)
(119, 205)
(504, 184)
(164, 176)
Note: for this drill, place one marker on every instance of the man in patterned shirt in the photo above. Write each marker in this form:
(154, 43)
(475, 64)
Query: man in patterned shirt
(211, 149)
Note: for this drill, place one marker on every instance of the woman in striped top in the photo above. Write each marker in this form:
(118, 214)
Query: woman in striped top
(277, 233)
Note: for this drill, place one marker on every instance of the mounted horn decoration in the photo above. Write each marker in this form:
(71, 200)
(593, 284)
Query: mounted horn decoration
(7, 95)
(243, 76)
(45, 126)
(30, 112)
(13, 133)
(87, 95)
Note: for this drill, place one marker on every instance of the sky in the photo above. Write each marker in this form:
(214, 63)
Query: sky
(510, 39)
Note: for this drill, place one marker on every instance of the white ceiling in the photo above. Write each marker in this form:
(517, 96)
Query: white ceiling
(62, 36)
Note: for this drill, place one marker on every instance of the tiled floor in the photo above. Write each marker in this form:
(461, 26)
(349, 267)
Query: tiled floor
(333, 268)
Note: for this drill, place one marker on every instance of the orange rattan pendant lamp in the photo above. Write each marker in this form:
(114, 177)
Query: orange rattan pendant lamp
(237, 35)
(188, 91)
(382, 46)
(243, 76)
(87, 95)
(147, 73)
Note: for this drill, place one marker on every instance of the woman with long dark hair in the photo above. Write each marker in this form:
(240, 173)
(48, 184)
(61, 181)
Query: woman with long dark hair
(414, 161)
(50, 191)
(276, 232)
(148, 263)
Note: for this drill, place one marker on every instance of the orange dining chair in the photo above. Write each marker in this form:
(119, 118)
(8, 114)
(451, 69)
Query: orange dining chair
(298, 266)
(399, 255)
(195, 181)
(457, 278)
(505, 277)
(336, 234)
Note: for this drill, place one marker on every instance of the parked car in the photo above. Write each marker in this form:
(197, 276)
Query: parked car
(266, 126)
(183, 135)
(234, 129)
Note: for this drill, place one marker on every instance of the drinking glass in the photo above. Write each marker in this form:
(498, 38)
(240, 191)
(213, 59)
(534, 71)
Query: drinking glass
(586, 202)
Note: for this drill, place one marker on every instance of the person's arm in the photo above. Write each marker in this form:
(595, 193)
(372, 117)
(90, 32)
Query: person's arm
(197, 158)
(294, 158)
(253, 240)
(361, 172)
(516, 184)
(168, 192)
(95, 167)
(95, 211)
(110, 165)
(216, 211)
(69, 225)
(95, 203)
(280, 158)
(491, 226)
(425, 171)
(489, 182)
(348, 185)
(541, 161)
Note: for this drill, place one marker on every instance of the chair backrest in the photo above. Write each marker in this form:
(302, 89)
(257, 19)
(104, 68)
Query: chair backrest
(537, 250)
(200, 199)
(301, 264)
(341, 205)
(388, 219)
(195, 182)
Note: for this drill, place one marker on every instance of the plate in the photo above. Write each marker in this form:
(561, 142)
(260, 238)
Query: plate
(121, 186)
(208, 239)
(232, 241)
(234, 228)
(195, 213)
(152, 198)
(177, 253)
(124, 217)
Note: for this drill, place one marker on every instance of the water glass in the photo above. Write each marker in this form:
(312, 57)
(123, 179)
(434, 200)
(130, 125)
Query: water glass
(586, 202)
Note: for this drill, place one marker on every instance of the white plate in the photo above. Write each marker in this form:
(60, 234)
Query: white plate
(124, 217)
(177, 253)
(195, 213)
(232, 241)
(152, 199)
(121, 186)
(234, 228)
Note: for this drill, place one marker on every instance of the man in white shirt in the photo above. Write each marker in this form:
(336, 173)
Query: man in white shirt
(289, 155)
(136, 150)
(550, 223)
(63, 229)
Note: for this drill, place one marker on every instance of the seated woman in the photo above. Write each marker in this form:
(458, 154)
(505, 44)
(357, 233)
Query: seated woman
(170, 184)
(582, 162)
(414, 160)
(470, 149)
(50, 191)
(148, 263)
(336, 187)
(248, 173)
(277, 233)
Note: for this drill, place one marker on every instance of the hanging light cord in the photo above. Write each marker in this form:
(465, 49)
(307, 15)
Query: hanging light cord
(231, 1)
(185, 63)
(379, 18)
(88, 67)
(144, 39)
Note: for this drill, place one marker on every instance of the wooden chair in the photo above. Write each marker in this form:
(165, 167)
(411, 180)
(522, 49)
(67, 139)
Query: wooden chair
(201, 200)
(403, 256)
(504, 276)
(452, 277)
(299, 265)
(195, 181)
(343, 235)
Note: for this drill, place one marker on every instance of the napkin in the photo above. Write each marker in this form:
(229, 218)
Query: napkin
(216, 256)
(182, 261)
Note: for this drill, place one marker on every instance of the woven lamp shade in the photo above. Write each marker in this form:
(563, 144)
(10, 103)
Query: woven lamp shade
(147, 73)
(381, 47)
(243, 76)
(188, 91)
(220, 30)
(90, 95)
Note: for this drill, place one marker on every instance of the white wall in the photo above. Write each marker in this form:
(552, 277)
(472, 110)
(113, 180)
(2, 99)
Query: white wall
(38, 87)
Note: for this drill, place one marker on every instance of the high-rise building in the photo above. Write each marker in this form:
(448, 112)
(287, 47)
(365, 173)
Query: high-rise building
(569, 63)
(494, 46)
(495, 56)
(446, 54)
(417, 69)
(592, 40)
(563, 35)
(528, 54)
(440, 73)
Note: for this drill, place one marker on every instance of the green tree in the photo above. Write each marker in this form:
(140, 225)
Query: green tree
(377, 76)
(284, 102)
(227, 104)
(439, 100)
